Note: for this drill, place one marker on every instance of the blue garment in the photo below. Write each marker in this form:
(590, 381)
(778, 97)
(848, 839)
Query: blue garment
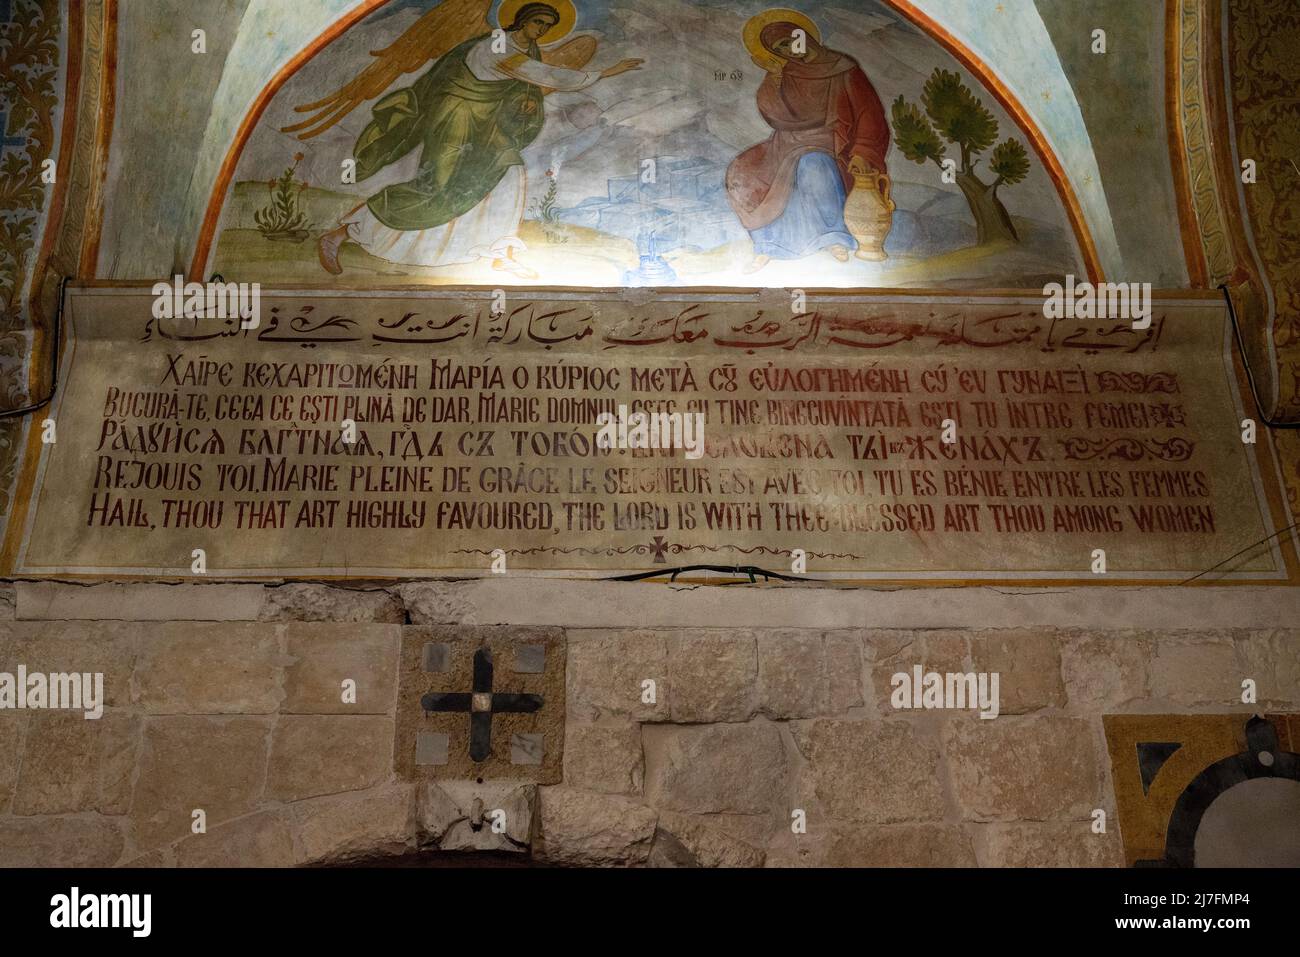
(814, 216)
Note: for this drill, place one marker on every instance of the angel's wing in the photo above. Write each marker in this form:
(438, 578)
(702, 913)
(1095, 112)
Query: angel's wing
(443, 28)
(572, 54)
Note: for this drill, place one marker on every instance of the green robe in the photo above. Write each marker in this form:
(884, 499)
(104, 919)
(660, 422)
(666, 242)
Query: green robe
(471, 132)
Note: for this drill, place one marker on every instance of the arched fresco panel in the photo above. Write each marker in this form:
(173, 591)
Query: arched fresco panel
(696, 166)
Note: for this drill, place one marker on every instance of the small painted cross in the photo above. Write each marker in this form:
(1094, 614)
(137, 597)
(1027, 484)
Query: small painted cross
(481, 703)
(659, 545)
(6, 140)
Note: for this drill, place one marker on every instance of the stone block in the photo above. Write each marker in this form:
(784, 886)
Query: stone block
(728, 768)
(71, 764)
(606, 671)
(214, 763)
(327, 754)
(946, 650)
(348, 827)
(844, 671)
(438, 603)
(582, 828)
(891, 652)
(138, 601)
(1198, 670)
(258, 840)
(1272, 659)
(321, 657)
(315, 602)
(1028, 665)
(756, 830)
(13, 729)
(880, 645)
(791, 674)
(59, 842)
(685, 841)
(872, 772)
(900, 845)
(807, 674)
(107, 648)
(1105, 672)
(1040, 767)
(209, 669)
(712, 676)
(605, 758)
(1049, 844)
(460, 815)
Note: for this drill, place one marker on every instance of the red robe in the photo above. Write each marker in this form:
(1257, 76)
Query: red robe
(829, 106)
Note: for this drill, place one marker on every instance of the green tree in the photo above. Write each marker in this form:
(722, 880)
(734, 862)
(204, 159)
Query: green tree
(953, 113)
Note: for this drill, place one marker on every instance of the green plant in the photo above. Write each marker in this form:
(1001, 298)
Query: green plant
(953, 113)
(548, 213)
(283, 217)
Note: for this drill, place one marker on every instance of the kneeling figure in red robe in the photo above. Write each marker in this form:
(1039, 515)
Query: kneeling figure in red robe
(828, 124)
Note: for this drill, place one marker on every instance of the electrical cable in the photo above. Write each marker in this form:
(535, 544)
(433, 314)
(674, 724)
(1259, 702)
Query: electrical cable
(1245, 361)
(54, 363)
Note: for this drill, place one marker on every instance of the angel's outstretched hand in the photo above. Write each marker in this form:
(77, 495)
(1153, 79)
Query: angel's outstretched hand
(622, 67)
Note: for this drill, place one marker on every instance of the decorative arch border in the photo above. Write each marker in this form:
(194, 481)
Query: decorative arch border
(1220, 230)
(906, 8)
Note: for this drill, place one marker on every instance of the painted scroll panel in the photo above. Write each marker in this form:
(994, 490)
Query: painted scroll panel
(640, 178)
(824, 433)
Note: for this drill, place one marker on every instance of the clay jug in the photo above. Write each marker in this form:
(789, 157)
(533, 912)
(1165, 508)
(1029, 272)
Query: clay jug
(869, 214)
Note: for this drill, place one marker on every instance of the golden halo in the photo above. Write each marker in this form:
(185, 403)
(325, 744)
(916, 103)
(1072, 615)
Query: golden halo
(754, 29)
(568, 17)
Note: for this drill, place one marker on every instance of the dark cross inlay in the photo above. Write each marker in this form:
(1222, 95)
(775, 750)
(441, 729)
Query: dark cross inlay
(659, 545)
(481, 703)
(6, 140)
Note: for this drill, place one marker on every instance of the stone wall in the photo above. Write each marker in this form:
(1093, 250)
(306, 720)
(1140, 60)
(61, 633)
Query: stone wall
(225, 698)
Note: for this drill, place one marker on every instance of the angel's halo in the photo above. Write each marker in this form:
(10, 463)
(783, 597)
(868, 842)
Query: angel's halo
(565, 8)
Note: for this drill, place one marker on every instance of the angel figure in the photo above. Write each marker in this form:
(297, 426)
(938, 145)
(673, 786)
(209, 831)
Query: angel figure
(471, 115)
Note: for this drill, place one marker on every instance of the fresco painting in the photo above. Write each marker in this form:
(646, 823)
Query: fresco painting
(716, 144)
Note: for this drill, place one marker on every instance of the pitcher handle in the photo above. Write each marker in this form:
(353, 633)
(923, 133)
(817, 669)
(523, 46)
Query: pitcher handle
(884, 185)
